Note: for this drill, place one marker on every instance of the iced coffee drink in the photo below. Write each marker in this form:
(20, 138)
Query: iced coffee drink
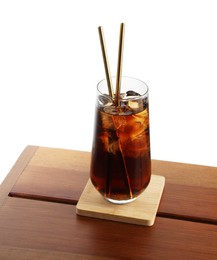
(120, 163)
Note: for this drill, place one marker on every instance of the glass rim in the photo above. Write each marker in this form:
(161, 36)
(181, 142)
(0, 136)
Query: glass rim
(125, 77)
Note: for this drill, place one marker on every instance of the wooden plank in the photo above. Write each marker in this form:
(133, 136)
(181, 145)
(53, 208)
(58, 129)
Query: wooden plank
(60, 175)
(186, 174)
(47, 227)
(16, 171)
(190, 191)
(9, 253)
(189, 202)
(57, 175)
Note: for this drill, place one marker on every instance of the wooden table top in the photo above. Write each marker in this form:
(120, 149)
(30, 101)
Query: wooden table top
(38, 218)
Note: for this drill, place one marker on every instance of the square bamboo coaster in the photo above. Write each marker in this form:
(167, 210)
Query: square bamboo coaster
(142, 211)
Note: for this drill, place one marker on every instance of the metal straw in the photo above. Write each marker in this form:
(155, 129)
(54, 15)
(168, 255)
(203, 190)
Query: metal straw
(119, 65)
(117, 95)
(106, 63)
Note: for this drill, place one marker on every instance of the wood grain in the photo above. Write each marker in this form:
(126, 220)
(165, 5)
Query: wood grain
(34, 229)
(45, 228)
(16, 171)
(54, 175)
(189, 202)
(60, 175)
(186, 174)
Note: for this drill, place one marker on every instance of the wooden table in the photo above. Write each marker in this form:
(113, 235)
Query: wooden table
(38, 219)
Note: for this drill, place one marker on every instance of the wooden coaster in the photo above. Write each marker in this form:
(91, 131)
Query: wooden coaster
(142, 211)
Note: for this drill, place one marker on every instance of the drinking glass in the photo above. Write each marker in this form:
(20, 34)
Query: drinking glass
(120, 160)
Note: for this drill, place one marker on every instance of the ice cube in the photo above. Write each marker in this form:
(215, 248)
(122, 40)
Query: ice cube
(138, 146)
(105, 100)
(134, 104)
(107, 121)
(123, 109)
(119, 122)
(110, 142)
(112, 110)
(132, 93)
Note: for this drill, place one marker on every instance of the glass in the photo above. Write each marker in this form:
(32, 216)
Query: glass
(120, 161)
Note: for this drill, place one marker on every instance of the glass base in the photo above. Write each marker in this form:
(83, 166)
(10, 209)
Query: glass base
(120, 202)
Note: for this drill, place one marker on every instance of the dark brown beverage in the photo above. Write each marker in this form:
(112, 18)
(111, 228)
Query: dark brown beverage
(121, 163)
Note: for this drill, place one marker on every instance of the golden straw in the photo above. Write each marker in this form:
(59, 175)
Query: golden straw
(119, 65)
(106, 64)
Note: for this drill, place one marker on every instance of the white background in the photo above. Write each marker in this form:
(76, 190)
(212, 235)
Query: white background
(50, 63)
